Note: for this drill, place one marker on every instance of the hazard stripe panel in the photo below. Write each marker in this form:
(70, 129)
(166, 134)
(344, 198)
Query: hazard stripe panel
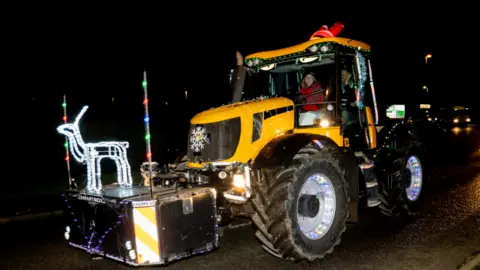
(146, 235)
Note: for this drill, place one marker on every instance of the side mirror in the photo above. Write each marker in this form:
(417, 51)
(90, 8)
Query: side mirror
(396, 111)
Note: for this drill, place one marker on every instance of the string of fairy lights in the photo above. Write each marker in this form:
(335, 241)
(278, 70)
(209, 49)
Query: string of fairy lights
(147, 130)
(67, 154)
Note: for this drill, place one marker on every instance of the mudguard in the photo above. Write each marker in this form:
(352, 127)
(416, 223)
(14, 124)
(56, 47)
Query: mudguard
(281, 150)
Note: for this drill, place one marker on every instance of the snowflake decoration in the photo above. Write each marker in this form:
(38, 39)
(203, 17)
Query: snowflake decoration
(198, 138)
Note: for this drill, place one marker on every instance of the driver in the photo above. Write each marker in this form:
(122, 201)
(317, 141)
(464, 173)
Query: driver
(350, 96)
(312, 91)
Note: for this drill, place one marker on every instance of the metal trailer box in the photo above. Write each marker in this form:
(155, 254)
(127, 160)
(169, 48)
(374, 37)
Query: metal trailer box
(128, 225)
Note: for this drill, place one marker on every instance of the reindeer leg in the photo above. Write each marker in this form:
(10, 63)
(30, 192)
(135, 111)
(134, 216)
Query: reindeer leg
(122, 167)
(119, 172)
(111, 155)
(118, 161)
(98, 175)
(128, 170)
(90, 174)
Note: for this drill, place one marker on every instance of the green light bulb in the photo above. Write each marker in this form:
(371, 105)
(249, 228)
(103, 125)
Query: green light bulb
(66, 145)
(144, 83)
(147, 137)
(64, 104)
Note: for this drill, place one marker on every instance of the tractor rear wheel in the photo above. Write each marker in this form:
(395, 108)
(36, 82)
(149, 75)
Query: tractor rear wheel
(410, 178)
(301, 210)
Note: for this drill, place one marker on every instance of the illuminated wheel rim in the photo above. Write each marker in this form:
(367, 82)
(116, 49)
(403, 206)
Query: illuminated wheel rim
(414, 178)
(316, 205)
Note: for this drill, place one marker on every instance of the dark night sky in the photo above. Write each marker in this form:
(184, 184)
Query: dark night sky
(94, 56)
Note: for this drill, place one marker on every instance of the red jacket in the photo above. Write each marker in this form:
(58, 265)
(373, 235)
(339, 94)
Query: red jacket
(315, 98)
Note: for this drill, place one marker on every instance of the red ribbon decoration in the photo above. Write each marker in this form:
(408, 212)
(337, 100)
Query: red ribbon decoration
(324, 32)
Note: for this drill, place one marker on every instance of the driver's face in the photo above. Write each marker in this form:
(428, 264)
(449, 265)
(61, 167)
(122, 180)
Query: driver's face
(345, 76)
(308, 80)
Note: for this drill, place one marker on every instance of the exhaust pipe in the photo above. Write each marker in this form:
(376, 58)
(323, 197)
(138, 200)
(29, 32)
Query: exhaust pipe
(238, 78)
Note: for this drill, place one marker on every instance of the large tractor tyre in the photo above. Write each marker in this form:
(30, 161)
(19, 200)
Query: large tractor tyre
(301, 210)
(409, 174)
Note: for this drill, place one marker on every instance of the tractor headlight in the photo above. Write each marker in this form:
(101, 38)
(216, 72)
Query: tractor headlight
(239, 180)
(242, 187)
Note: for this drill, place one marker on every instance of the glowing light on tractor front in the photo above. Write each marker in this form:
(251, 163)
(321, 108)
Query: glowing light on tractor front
(92, 154)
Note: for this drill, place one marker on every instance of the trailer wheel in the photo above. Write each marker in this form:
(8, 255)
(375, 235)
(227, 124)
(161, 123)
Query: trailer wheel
(301, 211)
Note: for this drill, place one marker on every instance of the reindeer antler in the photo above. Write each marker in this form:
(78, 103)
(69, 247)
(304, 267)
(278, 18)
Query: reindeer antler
(80, 114)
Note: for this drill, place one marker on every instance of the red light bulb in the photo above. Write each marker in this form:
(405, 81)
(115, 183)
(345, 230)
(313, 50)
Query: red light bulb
(145, 101)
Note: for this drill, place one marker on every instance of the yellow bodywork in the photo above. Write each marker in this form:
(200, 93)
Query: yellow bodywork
(272, 127)
(303, 46)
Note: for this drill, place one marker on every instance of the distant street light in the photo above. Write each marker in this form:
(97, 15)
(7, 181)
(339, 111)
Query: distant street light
(186, 93)
(425, 88)
(428, 56)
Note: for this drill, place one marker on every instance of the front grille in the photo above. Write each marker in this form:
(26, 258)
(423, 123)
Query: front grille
(213, 141)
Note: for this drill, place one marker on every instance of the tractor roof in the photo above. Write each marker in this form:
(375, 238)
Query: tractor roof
(302, 48)
(320, 41)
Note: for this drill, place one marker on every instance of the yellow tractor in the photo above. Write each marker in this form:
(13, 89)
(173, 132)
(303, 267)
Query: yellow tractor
(299, 151)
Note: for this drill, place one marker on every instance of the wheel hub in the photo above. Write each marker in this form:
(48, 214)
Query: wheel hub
(308, 205)
(407, 178)
(316, 205)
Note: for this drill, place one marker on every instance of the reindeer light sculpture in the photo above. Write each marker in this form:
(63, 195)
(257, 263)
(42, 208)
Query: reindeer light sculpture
(92, 154)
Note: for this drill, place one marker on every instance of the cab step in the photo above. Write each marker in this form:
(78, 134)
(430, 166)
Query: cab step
(368, 170)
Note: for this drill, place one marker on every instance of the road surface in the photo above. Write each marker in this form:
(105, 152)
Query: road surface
(448, 232)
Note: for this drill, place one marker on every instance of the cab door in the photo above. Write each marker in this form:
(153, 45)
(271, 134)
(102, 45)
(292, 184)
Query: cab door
(366, 97)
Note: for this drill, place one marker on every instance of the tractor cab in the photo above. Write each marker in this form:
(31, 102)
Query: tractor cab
(327, 78)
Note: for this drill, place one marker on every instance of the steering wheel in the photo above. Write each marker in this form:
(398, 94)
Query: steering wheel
(294, 94)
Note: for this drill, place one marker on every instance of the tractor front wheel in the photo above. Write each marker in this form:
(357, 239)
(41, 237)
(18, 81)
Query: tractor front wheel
(301, 211)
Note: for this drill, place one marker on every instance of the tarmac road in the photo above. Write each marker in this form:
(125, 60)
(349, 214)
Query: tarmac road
(447, 232)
